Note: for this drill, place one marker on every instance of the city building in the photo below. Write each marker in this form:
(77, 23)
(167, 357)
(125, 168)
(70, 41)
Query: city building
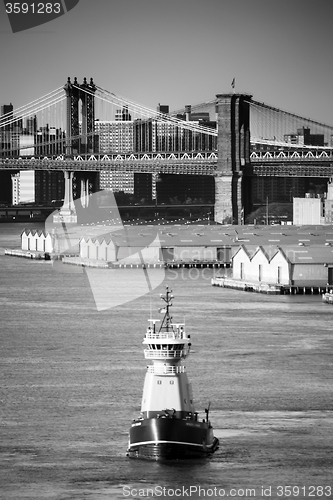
(277, 189)
(10, 132)
(308, 210)
(143, 187)
(15, 198)
(161, 136)
(116, 137)
(123, 115)
(303, 137)
(314, 208)
(6, 129)
(41, 187)
(23, 187)
(185, 188)
(163, 108)
(328, 203)
(27, 144)
(49, 187)
(5, 147)
(49, 140)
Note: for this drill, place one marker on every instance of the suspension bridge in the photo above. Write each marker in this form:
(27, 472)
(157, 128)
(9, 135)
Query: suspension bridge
(231, 138)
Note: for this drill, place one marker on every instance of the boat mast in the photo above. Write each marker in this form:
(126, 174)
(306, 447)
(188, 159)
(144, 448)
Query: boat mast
(167, 320)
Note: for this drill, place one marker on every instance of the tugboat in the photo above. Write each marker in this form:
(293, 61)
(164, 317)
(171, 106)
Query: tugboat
(168, 426)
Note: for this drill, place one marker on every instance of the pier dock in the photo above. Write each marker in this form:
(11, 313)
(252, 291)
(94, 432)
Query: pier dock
(271, 289)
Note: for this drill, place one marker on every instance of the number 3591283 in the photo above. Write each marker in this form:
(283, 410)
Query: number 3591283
(33, 8)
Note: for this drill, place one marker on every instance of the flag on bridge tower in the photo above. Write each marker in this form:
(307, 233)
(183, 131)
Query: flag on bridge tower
(233, 83)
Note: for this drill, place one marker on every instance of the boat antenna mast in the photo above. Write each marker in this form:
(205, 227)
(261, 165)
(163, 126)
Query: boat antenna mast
(167, 320)
(207, 412)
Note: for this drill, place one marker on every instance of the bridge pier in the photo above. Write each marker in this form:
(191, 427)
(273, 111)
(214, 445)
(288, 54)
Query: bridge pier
(228, 199)
(84, 193)
(233, 147)
(223, 212)
(67, 213)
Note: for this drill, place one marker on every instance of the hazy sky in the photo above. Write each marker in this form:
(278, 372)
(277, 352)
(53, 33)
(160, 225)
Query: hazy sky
(179, 52)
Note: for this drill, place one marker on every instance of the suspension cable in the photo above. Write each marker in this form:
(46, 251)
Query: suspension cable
(22, 109)
(27, 113)
(149, 113)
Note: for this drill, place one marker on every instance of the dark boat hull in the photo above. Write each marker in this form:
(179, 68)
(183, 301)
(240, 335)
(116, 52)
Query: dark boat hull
(170, 438)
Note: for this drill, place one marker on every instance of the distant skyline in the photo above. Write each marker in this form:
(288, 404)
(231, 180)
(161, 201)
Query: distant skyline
(179, 52)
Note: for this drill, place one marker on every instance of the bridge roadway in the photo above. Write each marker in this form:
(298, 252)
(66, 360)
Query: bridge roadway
(200, 163)
(307, 163)
(294, 168)
(295, 162)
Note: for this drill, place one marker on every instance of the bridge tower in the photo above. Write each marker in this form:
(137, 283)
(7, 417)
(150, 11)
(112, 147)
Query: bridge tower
(72, 116)
(77, 141)
(233, 146)
(88, 115)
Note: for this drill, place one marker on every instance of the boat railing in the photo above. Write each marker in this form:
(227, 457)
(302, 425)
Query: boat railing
(165, 353)
(166, 335)
(166, 369)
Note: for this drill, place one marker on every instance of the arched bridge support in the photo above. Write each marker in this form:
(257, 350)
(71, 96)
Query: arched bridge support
(233, 147)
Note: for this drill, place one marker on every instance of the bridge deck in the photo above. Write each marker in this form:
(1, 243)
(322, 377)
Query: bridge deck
(306, 164)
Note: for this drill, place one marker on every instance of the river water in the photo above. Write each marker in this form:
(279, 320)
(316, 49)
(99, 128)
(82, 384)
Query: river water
(72, 377)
